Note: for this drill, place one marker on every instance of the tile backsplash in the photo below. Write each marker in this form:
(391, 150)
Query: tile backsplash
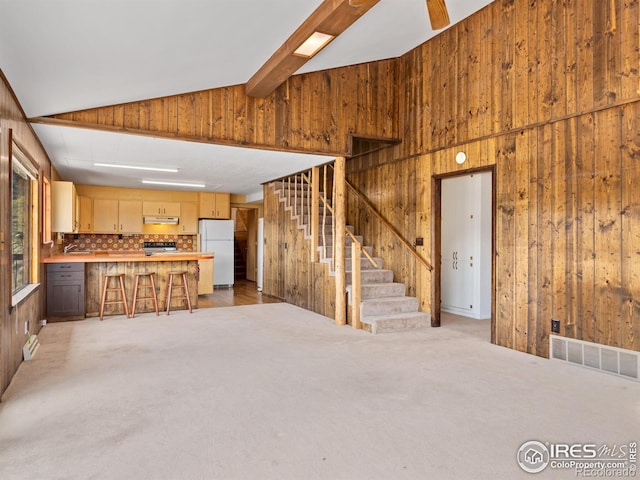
(91, 241)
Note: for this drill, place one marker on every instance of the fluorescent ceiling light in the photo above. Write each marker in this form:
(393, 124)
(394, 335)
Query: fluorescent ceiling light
(176, 184)
(313, 44)
(133, 167)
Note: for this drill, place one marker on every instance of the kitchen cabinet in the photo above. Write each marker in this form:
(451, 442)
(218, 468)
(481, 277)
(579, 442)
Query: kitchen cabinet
(166, 209)
(85, 215)
(105, 216)
(64, 211)
(215, 205)
(117, 216)
(129, 216)
(65, 289)
(205, 280)
(189, 218)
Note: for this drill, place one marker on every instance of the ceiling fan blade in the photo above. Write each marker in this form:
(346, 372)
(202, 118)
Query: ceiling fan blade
(438, 14)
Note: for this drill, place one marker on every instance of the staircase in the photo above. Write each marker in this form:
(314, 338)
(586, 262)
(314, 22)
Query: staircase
(239, 264)
(384, 306)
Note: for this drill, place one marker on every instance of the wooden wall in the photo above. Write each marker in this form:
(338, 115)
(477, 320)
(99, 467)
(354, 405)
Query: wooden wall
(12, 336)
(314, 112)
(288, 273)
(392, 189)
(548, 92)
(515, 64)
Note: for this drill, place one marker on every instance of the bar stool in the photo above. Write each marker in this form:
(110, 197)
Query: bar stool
(184, 287)
(151, 285)
(106, 289)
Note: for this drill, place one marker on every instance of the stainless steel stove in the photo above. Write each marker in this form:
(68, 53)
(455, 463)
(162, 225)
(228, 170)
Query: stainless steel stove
(150, 248)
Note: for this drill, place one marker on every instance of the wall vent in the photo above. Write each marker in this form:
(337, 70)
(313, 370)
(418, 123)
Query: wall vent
(624, 363)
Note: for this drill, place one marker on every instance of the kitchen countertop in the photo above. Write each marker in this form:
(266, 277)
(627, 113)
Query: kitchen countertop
(126, 256)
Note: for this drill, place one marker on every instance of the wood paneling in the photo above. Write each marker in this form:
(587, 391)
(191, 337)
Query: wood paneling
(515, 64)
(313, 112)
(546, 90)
(288, 274)
(12, 320)
(567, 236)
(554, 106)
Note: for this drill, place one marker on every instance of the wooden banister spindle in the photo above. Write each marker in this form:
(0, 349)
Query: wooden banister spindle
(324, 214)
(313, 212)
(295, 195)
(309, 195)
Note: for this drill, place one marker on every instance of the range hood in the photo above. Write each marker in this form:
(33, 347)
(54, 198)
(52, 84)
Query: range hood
(161, 220)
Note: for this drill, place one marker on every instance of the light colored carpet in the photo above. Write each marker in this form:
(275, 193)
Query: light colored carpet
(276, 392)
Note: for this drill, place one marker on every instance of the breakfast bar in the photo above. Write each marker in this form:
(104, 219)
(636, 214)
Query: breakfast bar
(97, 264)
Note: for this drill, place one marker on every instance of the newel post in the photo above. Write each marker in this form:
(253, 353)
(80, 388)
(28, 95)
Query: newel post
(339, 240)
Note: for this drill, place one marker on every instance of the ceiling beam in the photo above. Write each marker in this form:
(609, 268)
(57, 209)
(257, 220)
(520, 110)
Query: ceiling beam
(332, 17)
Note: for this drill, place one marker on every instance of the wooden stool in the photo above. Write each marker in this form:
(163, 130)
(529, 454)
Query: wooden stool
(106, 289)
(184, 286)
(149, 286)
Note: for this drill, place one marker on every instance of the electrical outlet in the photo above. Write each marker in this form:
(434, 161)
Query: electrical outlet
(43, 322)
(26, 327)
(555, 326)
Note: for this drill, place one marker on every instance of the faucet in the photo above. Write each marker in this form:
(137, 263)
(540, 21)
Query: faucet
(69, 247)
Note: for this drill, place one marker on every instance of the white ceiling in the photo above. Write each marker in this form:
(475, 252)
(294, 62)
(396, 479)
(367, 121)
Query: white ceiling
(66, 55)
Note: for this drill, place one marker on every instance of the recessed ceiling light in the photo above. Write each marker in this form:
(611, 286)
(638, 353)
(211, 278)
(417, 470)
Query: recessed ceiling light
(313, 44)
(134, 167)
(176, 184)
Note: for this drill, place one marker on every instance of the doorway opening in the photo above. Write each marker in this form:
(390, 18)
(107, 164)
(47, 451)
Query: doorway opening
(464, 248)
(245, 239)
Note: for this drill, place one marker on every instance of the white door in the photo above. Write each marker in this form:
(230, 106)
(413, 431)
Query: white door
(466, 249)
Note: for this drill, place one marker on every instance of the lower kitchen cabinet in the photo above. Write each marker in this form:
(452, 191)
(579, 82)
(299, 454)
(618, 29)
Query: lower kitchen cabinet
(65, 289)
(205, 281)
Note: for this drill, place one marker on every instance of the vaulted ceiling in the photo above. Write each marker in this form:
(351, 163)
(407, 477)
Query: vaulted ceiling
(68, 55)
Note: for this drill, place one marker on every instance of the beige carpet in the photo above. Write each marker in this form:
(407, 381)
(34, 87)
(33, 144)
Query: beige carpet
(276, 392)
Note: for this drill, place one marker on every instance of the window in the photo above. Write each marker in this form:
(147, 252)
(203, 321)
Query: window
(22, 221)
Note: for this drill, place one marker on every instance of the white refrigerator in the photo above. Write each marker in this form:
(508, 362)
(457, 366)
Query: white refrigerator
(217, 236)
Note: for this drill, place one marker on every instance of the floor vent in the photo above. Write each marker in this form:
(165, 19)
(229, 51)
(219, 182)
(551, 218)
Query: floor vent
(31, 347)
(624, 363)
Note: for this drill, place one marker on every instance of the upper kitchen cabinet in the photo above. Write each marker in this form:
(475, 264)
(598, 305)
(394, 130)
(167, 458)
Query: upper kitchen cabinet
(188, 218)
(85, 217)
(117, 216)
(105, 215)
(130, 216)
(166, 209)
(214, 205)
(64, 210)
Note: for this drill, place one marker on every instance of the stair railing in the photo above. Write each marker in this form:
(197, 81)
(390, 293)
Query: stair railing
(306, 185)
(389, 227)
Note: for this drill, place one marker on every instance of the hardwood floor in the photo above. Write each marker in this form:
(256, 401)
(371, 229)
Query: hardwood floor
(243, 292)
